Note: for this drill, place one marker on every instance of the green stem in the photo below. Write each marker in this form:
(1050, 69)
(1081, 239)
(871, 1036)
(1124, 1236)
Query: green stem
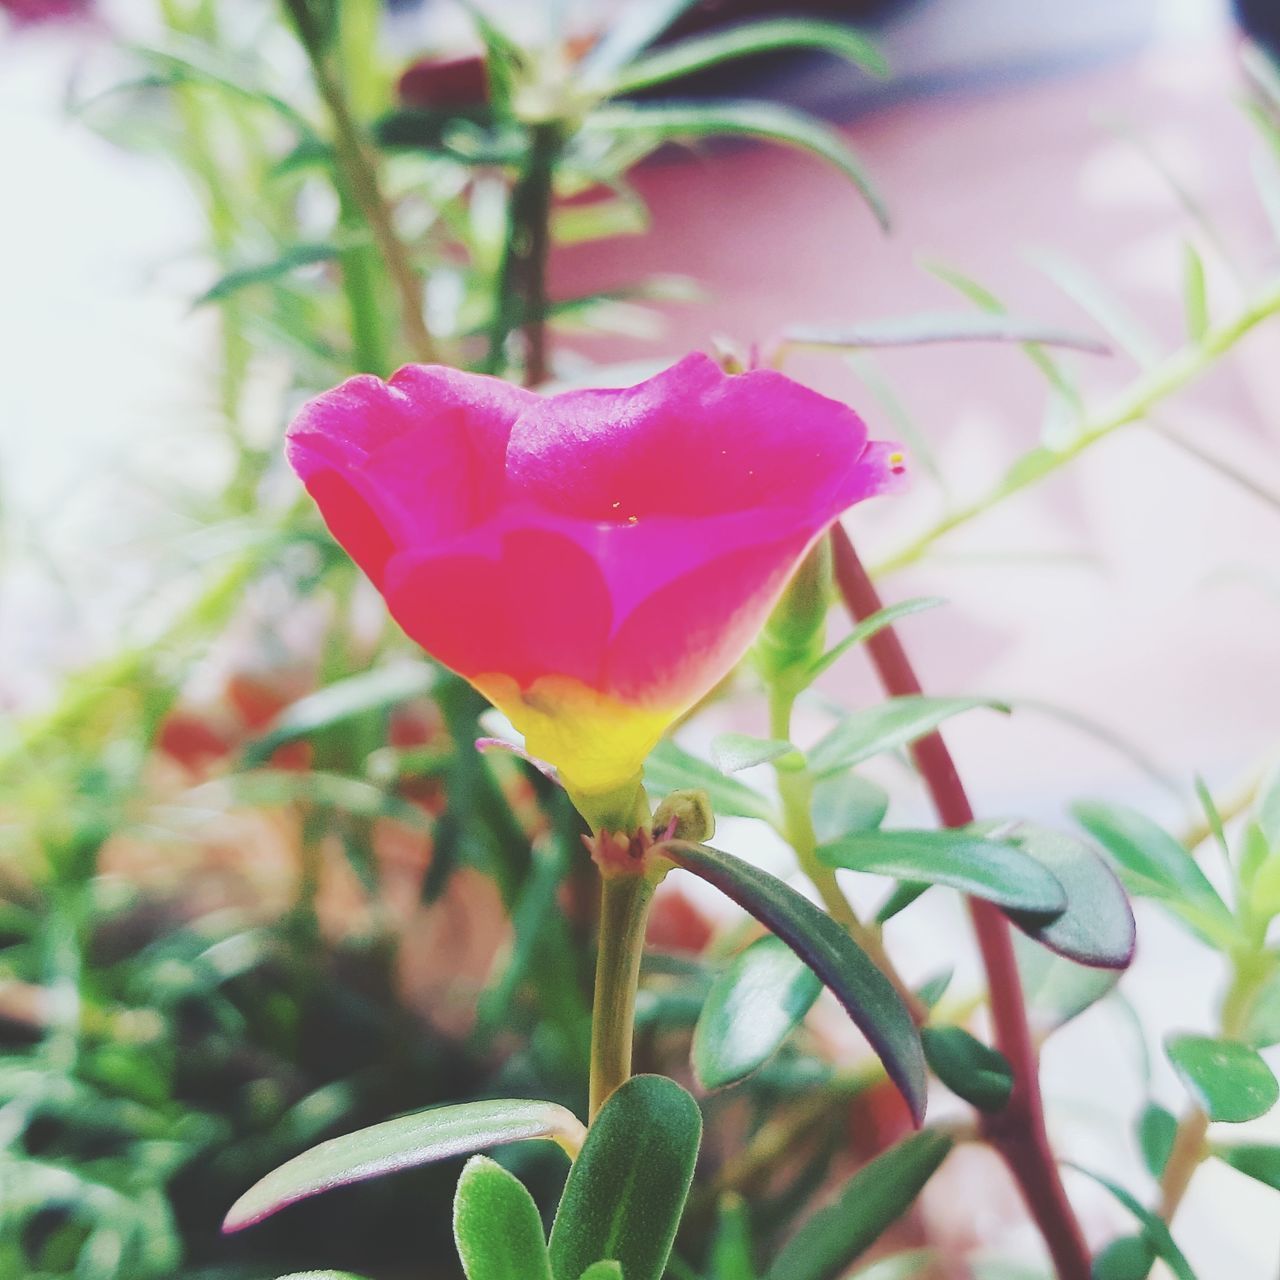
(624, 908)
(1165, 379)
(795, 790)
(521, 294)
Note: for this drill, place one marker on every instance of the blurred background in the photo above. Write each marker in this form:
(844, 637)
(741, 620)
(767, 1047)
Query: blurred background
(236, 919)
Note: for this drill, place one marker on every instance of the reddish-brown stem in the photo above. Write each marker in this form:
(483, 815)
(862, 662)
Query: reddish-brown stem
(1017, 1131)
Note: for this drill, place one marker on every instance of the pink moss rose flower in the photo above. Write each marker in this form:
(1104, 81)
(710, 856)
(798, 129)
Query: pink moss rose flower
(593, 562)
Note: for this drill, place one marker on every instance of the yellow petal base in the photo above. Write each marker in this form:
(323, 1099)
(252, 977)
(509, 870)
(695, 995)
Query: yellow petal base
(596, 743)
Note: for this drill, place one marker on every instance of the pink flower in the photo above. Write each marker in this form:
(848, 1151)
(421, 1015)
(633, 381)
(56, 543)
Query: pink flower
(593, 562)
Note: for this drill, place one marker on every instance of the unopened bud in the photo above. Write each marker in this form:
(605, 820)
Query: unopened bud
(685, 815)
(796, 631)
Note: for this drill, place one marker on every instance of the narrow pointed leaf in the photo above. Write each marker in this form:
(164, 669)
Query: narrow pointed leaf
(869, 627)
(752, 1007)
(627, 1188)
(1154, 1231)
(404, 1143)
(970, 1069)
(1194, 298)
(944, 326)
(630, 33)
(733, 752)
(672, 768)
(846, 804)
(1153, 864)
(300, 255)
(376, 690)
(868, 996)
(894, 723)
(731, 1248)
(765, 120)
(1228, 1079)
(689, 56)
(1097, 928)
(874, 1198)
(496, 1225)
(1255, 1160)
(997, 871)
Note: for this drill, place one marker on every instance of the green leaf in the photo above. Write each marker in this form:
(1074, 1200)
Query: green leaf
(752, 1007)
(1256, 1161)
(1154, 1231)
(733, 752)
(679, 122)
(943, 326)
(867, 995)
(932, 990)
(1128, 1258)
(972, 1070)
(845, 804)
(875, 1197)
(299, 255)
(1195, 301)
(671, 768)
(496, 1225)
(629, 34)
(997, 871)
(1267, 807)
(1097, 928)
(1153, 864)
(1058, 990)
(603, 1271)
(731, 1250)
(321, 1275)
(1228, 1079)
(1157, 1129)
(689, 56)
(376, 690)
(404, 1143)
(869, 627)
(894, 723)
(627, 1188)
(1262, 1022)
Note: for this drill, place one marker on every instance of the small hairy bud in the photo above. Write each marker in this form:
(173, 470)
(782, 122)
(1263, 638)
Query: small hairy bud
(685, 815)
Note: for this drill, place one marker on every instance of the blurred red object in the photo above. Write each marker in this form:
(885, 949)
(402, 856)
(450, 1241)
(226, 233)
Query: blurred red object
(30, 12)
(445, 82)
(675, 924)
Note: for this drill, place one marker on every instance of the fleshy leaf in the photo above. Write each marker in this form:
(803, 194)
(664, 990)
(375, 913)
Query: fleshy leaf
(875, 1197)
(627, 1188)
(1128, 1258)
(1262, 1023)
(752, 1007)
(1157, 1129)
(496, 1225)
(945, 326)
(846, 804)
(734, 752)
(972, 1070)
(1097, 928)
(731, 1248)
(896, 722)
(1153, 1229)
(1153, 864)
(868, 996)
(740, 41)
(684, 122)
(404, 1143)
(1255, 1160)
(1056, 989)
(998, 871)
(672, 768)
(869, 627)
(1228, 1079)
(603, 1271)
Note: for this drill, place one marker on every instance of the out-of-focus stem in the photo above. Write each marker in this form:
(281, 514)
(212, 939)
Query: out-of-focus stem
(624, 908)
(1163, 380)
(795, 790)
(1017, 1131)
(359, 177)
(521, 295)
(1185, 1157)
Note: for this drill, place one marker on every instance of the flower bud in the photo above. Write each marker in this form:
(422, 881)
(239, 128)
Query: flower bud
(796, 632)
(685, 815)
